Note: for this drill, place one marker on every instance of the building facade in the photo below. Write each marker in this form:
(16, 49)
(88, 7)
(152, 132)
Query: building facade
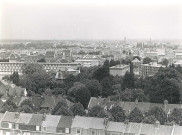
(149, 69)
(119, 70)
(7, 68)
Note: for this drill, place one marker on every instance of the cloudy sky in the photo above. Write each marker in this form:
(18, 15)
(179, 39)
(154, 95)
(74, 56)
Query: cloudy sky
(84, 19)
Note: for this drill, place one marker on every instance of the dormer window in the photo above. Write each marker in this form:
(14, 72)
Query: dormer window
(78, 131)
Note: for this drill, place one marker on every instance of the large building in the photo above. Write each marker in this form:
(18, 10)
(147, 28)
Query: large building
(119, 70)
(149, 69)
(7, 68)
(89, 61)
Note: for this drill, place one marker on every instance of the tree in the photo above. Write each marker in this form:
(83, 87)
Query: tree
(106, 87)
(133, 94)
(137, 57)
(26, 109)
(63, 111)
(82, 95)
(31, 68)
(27, 102)
(93, 86)
(159, 114)
(101, 73)
(128, 81)
(165, 62)
(106, 63)
(147, 60)
(9, 105)
(176, 115)
(179, 69)
(112, 63)
(165, 85)
(149, 119)
(97, 111)
(69, 81)
(135, 116)
(118, 114)
(42, 60)
(58, 106)
(34, 78)
(77, 109)
(15, 78)
(57, 91)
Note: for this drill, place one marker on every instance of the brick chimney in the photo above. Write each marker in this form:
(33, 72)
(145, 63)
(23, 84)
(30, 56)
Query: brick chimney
(156, 124)
(17, 115)
(165, 104)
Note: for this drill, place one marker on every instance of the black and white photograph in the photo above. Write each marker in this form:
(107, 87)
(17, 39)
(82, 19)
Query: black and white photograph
(90, 67)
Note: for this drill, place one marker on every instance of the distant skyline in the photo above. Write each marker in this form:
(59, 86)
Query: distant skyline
(109, 20)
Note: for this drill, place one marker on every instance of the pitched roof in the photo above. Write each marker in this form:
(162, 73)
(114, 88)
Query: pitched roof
(148, 129)
(164, 130)
(10, 117)
(24, 118)
(133, 128)
(129, 106)
(22, 99)
(88, 123)
(1, 116)
(36, 101)
(51, 101)
(36, 120)
(177, 130)
(51, 121)
(65, 121)
(96, 101)
(116, 127)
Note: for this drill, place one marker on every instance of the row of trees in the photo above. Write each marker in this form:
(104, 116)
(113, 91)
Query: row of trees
(96, 81)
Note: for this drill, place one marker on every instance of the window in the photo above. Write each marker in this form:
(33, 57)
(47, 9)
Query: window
(7, 133)
(93, 132)
(78, 131)
(37, 128)
(67, 130)
(10, 125)
(16, 126)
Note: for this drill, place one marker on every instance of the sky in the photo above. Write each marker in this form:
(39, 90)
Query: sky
(90, 19)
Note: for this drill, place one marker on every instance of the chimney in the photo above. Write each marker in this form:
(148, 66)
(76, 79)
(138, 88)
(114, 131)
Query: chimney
(106, 120)
(108, 99)
(165, 104)
(136, 101)
(44, 117)
(157, 123)
(17, 114)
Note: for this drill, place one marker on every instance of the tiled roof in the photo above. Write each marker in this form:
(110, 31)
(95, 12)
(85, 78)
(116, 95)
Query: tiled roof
(88, 123)
(52, 101)
(36, 120)
(51, 121)
(36, 101)
(164, 130)
(129, 106)
(177, 130)
(24, 118)
(148, 129)
(1, 116)
(65, 121)
(10, 117)
(116, 127)
(96, 101)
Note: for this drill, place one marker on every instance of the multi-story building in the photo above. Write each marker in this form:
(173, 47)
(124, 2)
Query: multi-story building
(88, 61)
(149, 69)
(119, 70)
(7, 68)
